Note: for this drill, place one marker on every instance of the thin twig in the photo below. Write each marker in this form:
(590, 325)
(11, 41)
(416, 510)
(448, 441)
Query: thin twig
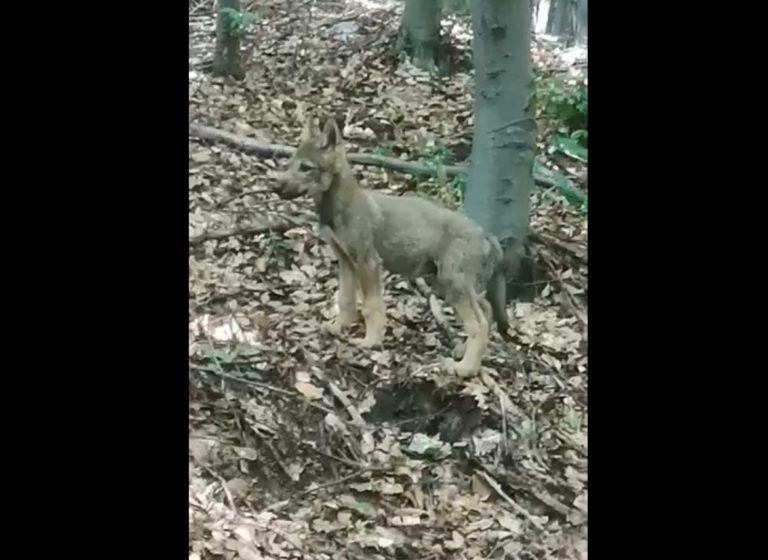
(528, 485)
(276, 456)
(552, 502)
(336, 482)
(243, 193)
(493, 483)
(339, 394)
(280, 227)
(266, 386)
(506, 406)
(223, 483)
(570, 299)
(503, 427)
(343, 460)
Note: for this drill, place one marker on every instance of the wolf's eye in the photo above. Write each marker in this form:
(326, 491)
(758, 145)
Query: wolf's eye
(306, 166)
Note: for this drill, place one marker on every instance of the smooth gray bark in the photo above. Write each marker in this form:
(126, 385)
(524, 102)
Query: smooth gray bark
(535, 9)
(560, 20)
(580, 21)
(419, 35)
(226, 56)
(501, 166)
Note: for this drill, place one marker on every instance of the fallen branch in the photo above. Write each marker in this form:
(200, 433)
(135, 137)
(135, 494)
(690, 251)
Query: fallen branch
(571, 249)
(280, 227)
(528, 485)
(262, 149)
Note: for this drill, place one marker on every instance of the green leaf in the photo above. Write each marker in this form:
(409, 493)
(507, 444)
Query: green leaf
(219, 356)
(570, 148)
(563, 185)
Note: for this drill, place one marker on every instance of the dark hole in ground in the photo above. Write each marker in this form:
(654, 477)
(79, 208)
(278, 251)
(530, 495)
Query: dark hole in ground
(421, 406)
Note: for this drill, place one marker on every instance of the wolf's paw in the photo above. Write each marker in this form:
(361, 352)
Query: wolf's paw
(338, 325)
(368, 341)
(450, 366)
(459, 350)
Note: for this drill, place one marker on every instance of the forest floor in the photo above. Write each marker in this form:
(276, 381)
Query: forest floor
(304, 446)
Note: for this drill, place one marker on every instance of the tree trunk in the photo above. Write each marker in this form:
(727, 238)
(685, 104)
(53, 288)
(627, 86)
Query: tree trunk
(419, 35)
(560, 20)
(542, 16)
(226, 56)
(580, 21)
(534, 11)
(501, 163)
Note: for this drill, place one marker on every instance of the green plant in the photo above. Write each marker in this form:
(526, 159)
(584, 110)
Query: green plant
(435, 154)
(459, 184)
(563, 104)
(570, 146)
(385, 149)
(237, 22)
(436, 185)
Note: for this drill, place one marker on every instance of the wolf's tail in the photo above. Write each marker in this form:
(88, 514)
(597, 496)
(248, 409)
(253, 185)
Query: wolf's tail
(496, 290)
(497, 297)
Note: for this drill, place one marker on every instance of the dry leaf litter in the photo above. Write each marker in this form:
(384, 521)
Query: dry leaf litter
(303, 446)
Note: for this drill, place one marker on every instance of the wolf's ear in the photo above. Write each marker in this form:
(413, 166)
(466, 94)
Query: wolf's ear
(310, 126)
(332, 134)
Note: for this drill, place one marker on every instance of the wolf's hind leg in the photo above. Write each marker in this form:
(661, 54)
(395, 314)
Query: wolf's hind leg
(460, 348)
(477, 326)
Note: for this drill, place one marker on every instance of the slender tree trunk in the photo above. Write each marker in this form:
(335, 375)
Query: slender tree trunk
(542, 16)
(560, 21)
(551, 16)
(534, 12)
(501, 166)
(226, 56)
(580, 21)
(419, 35)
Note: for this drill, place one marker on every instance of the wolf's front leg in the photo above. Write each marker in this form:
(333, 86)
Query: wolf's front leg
(347, 297)
(374, 312)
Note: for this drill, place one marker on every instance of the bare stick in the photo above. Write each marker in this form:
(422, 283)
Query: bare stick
(280, 227)
(541, 175)
(569, 297)
(343, 460)
(342, 480)
(274, 151)
(223, 483)
(517, 507)
(275, 454)
(339, 394)
(262, 385)
(503, 426)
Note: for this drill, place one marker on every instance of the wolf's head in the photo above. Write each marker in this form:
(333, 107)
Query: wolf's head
(317, 162)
